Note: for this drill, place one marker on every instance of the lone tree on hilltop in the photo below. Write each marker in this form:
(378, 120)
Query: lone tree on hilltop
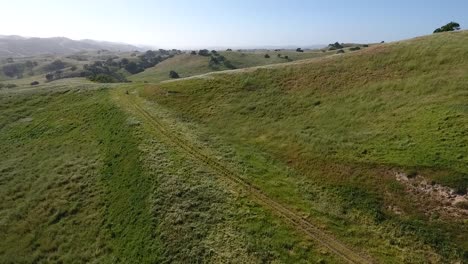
(452, 26)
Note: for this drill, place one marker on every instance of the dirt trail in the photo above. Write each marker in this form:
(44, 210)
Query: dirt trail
(291, 217)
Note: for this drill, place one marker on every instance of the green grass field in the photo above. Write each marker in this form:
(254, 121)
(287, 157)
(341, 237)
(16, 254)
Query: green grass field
(187, 65)
(237, 167)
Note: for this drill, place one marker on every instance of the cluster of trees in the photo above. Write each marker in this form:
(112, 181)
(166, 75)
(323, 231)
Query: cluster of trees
(217, 60)
(335, 46)
(452, 26)
(111, 69)
(16, 70)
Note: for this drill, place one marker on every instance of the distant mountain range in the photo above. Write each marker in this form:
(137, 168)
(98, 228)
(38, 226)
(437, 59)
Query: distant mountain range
(17, 46)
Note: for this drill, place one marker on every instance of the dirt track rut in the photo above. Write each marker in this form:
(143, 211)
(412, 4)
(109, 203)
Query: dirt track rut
(294, 219)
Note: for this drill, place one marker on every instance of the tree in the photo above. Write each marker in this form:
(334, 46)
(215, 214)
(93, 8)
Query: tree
(204, 52)
(452, 26)
(55, 65)
(299, 50)
(49, 77)
(13, 70)
(193, 52)
(133, 68)
(267, 56)
(174, 75)
(229, 50)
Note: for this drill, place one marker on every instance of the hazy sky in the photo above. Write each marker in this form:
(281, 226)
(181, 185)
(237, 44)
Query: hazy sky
(229, 23)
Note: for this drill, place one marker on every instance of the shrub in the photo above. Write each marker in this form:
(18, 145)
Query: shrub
(193, 52)
(55, 65)
(267, 56)
(133, 68)
(279, 55)
(73, 68)
(229, 50)
(49, 77)
(452, 26)
(299, 50)
(355, 48)
(174, 75)
(204, 52)
(286, 57)
(14, 70)
(335, 46)
(35, 83)
(102, 78)
(365, 46)
(340, 51)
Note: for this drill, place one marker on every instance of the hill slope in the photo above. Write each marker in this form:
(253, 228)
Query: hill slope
(364, 130)
(187, 65)
(15, 46)
(333, 159)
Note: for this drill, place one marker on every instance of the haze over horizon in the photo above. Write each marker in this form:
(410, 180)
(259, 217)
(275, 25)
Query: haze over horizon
(185, 24)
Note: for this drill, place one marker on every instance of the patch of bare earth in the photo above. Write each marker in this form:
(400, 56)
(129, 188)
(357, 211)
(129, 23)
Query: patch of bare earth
(435, 198)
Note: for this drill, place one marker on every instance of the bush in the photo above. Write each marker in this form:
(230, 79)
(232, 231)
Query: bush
(73, 68)
(286, 57)
(335, 46)
(193, 52)
(354, 48)
(133, 68)
(55, 66)
(14, 70)
(340, 51)
(267, 56)
(49, 77)
(365, 46)
(103, 78)
(204, 52)
(35, 83)
(174, 75)
(299, 50)
(452, 26)
(279, 55)
(229, 50)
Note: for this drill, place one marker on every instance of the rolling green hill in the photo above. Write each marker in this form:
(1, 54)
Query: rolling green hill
(187, 65)
(352, 158)
(344, 128)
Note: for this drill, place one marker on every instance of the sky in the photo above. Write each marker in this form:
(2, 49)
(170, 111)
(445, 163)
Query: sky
(229, 23)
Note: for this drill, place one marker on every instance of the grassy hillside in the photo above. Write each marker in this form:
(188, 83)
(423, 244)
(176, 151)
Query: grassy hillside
(318, 161)
(187, 65)
(84, 181)
(329, 137)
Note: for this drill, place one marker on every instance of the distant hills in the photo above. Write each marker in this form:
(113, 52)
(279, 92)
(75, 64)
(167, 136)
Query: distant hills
(17, 46)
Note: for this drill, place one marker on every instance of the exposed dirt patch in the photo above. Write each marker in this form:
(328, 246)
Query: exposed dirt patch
(438, 199)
